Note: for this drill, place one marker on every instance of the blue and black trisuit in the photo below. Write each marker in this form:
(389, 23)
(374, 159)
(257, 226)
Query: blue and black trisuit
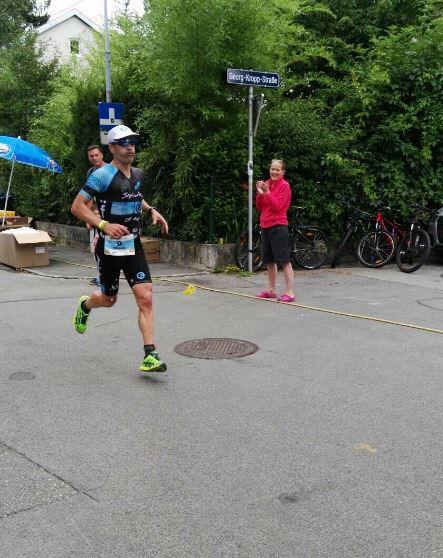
(119, 200)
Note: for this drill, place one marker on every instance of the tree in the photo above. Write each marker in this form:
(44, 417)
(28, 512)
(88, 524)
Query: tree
(25, 81)
(373, 69)
(24, 77)
(401, 116)
(18, 16)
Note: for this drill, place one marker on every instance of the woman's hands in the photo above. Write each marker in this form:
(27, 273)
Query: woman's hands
(262, 187)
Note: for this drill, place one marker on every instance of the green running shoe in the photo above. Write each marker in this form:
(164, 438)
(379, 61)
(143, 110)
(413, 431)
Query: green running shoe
(80, 319)
(152, 363)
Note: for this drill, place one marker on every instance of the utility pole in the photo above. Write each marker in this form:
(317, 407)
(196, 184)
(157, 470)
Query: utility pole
(250, 172)
(107, 55)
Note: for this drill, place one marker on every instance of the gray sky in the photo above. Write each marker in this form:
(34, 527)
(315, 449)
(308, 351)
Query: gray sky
(92, 8)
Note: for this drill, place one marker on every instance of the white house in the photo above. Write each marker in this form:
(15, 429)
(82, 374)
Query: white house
(68, 34)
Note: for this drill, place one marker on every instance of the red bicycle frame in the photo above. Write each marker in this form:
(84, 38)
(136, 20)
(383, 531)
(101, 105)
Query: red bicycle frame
(391, 227)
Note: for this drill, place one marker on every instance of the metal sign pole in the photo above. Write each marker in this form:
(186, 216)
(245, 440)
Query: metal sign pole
(211, 210)
(250, 174)
(107, 55)
(7, 192)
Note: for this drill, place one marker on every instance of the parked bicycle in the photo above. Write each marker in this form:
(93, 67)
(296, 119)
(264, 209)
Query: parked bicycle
(357, 220)
(242, 251)
(309, 245)
(378, 246)
(413, 249)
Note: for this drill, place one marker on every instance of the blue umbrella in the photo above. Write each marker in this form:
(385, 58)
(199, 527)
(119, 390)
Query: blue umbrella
(21, 151)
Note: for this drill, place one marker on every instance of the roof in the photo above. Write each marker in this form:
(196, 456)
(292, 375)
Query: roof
(67, 15)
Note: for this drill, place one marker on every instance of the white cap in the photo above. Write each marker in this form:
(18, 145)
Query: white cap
(119, 132)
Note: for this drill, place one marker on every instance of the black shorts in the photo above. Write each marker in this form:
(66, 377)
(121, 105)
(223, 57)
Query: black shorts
(275, 245)
(134, 267)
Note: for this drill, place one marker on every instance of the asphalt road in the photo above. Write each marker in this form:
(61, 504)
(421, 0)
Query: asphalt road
(326, 442)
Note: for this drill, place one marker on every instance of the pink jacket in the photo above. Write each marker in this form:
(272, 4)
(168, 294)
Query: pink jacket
(274, 205)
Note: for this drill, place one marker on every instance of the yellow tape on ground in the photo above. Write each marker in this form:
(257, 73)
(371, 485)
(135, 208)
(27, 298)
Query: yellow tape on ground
(306, 307)
(74, 263)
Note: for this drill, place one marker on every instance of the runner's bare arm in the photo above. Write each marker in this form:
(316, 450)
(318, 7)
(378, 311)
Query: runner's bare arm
(80, 209)
(156, 217)
(93, 208)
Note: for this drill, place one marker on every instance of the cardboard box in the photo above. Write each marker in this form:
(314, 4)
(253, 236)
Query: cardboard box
(14, 222)
(151, 248)
(24, 249)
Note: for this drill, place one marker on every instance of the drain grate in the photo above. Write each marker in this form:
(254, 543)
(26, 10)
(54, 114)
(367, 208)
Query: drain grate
(215, 348)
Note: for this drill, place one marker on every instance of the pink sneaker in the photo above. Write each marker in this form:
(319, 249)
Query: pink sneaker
(286, 298)
(267, 294)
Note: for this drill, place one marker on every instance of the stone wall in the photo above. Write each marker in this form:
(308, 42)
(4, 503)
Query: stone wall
(171, 251)
(77, 236)
(193, 253)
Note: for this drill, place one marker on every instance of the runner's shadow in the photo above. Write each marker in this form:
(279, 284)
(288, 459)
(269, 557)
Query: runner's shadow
(153, 379)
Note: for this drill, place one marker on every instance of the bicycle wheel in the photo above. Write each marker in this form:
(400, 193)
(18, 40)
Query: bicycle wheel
(241, 250)
(341, 247)
(376, 249)
(309, 247)
(413, 250)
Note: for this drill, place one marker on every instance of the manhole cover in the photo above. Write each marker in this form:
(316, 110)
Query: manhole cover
(215, 348)
(18, 376)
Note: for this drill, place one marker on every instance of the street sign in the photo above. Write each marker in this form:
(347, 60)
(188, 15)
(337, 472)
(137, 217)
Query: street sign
(252, 78)
(110, 115)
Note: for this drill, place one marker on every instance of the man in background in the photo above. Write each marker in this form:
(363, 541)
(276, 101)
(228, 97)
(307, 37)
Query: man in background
(95, 156)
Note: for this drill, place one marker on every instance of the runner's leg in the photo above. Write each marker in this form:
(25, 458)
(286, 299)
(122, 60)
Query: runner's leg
(143, 298)
(100, 300)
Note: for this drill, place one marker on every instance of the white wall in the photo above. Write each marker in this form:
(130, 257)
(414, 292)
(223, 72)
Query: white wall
(56, 40)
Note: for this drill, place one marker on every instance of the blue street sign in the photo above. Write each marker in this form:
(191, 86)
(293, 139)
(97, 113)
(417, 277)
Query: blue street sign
(252, 78)
(110, 115)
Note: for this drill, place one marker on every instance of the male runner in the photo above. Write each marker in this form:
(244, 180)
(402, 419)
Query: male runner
(116, 188)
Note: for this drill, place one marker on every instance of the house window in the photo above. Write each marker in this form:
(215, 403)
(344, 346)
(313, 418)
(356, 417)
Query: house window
(75, 46)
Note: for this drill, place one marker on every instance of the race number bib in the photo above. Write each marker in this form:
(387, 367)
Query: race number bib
(124, 246)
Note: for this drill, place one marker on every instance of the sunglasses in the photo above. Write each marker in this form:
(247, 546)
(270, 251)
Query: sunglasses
(126, 141)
